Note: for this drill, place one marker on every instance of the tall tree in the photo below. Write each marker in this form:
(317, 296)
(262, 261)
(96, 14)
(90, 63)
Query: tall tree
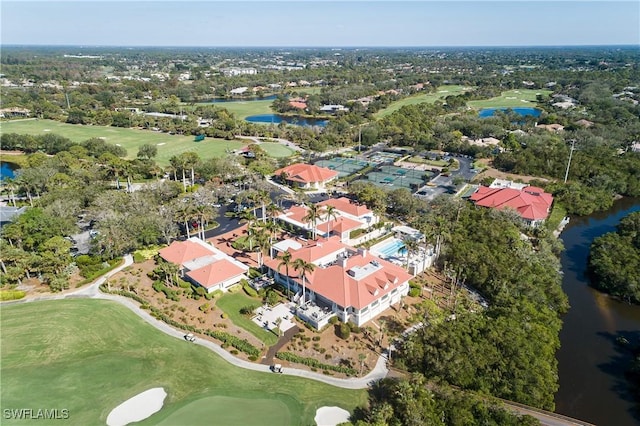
(303, 267)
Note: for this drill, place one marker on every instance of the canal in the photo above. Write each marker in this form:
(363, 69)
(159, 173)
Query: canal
(591, 365)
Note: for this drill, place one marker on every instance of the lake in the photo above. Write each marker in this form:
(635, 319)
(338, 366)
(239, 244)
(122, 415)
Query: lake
(276, 119)
(7, 170)
(523, 111)
(590, 364)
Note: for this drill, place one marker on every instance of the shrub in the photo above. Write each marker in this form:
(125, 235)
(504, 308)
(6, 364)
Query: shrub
(333, 320)
(415, 292)
(204, 307)
(11, 295)
(249, 290)
(248, 310)
(344, 330)
(316, 338)
(314, 363)
(240, 344)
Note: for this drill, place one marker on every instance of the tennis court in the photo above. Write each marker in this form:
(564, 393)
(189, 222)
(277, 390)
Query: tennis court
(344, 166)
(382, 157)
(398, 177)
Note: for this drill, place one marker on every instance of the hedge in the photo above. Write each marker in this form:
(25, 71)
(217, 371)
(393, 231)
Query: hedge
(314, 363)
(240, 344)
(11, 295)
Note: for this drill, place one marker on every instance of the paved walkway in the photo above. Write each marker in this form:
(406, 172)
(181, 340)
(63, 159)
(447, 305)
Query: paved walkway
(93, 291)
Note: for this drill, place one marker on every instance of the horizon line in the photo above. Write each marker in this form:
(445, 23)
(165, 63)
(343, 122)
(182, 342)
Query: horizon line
(320, 46)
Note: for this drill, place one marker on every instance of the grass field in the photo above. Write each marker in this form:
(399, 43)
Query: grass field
(510, 99)
(54, 357)
(130, 139)
(223, 410)
(244, 109)
(277, 150)
(231, 303)
(442, 92)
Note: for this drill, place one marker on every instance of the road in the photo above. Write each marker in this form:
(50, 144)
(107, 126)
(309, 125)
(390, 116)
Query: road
(444, 184)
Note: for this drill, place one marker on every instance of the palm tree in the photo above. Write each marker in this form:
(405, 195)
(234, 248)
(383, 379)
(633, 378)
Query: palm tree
(185, 213)
(285, 260)
(330, 212)
(411, 245)
(273, 210)
(313, 214)
(302, 267)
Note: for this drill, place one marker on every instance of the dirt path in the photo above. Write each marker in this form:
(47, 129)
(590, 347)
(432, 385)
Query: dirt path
(271, 353)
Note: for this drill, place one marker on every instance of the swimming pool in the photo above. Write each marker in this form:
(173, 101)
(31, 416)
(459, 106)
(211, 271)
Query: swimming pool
(394, 248)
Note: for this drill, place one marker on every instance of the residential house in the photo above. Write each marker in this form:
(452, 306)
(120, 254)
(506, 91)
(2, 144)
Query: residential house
(307, 175)
(531, 203)
(204, 265)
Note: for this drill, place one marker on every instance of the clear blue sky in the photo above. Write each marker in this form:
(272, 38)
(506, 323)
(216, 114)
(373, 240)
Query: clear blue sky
(320, 23)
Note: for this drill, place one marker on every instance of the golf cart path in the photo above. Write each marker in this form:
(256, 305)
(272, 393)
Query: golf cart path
(93, 291)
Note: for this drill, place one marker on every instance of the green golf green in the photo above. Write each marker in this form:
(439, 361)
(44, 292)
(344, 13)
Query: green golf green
(511, 99)
(441, 93)
(89, 356)
(130, 139)
(226, 411)
(276, 150)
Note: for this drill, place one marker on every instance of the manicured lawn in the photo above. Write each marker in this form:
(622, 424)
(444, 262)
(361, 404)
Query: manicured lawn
(421, 160)
(252, 409)
(277, 150)
(130, 139)
(245, 109)
(88, 356)
(558, 212)
(231, 303)
(511, 99)
(441, 92)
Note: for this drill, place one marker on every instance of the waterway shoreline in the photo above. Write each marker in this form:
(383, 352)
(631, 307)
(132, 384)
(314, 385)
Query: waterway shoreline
(591, 365)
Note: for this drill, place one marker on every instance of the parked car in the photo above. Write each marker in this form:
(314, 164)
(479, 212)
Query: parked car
(277, 368)
(190, 337)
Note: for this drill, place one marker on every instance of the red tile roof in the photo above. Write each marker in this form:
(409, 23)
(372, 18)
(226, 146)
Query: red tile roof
(180, 252)
(215, 273)
(307, 173)
(334, 283)
(340, 224)
(347, 206)
(298, 104)
(531, 203)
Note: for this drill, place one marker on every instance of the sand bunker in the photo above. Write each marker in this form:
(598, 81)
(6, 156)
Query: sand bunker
(137, 408)
(331, 416)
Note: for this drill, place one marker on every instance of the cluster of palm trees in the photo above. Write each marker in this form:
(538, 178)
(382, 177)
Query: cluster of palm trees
(299, 265)
(194, 209)
(315, 213)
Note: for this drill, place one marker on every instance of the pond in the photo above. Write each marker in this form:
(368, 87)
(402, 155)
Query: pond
(522, 111)
(7, 170)
(277, 119)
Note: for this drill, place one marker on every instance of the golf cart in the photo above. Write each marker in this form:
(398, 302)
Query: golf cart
(190, 337)
(277, 368)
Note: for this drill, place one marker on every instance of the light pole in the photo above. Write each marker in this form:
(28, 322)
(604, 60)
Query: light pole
(566, 174)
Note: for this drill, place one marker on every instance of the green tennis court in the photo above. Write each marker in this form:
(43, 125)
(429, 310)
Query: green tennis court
(394, 177)
(344, 166)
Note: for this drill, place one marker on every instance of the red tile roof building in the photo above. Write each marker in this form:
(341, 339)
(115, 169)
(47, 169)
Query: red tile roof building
(203, 264)
(349, 217)
(354, 285)
(531, 203)
(307, 175)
